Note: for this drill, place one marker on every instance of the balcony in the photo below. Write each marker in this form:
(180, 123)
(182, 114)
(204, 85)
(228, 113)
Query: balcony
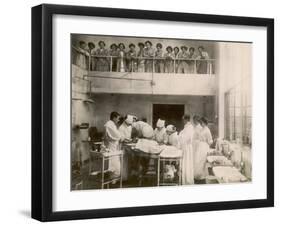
(139, 75)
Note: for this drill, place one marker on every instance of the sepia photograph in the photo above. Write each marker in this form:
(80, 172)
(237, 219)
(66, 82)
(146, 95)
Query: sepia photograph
(153, 111)
(140, 112)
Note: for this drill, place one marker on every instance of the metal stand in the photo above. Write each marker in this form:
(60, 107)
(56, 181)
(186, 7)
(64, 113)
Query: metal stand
(106, 156)
(162, 160)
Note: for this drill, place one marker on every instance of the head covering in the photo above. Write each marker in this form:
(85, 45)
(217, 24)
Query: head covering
(191, 48)
(160, 123)
(113, 45)
(129, 119)
(148, 42)
(82, 42)
(204, 120)
(147, 131)
(121, 44)
(132, 44)
(183, 47)
(169, 47)
(102, 42)
(91, 44)
(159, 44)
(186, 117)
(170, 128)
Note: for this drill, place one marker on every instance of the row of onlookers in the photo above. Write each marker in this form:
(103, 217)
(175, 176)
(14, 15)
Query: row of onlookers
(143, 58)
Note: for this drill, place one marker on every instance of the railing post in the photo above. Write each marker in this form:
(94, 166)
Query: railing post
(153, 66)
(89, 63)
(134, 63)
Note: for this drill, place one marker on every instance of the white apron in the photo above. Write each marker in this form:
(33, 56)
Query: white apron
(185, 139)
(112, 137)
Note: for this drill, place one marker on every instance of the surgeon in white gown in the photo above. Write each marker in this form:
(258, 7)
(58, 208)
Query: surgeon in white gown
(112, 138)
(185, 139)
(126, 136)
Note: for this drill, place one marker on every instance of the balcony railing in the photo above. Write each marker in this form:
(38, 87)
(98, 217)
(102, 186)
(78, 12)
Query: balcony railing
(99, 63)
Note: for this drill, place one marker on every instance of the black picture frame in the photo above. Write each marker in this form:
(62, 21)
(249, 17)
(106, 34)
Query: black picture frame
(42, 107)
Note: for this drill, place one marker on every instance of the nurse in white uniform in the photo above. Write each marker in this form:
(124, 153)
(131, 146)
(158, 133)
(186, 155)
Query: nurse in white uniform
(112, 138)
(126, 136)
(173, 137)
(206, 140)
(160, 134)
(198, 158)
(185, 138)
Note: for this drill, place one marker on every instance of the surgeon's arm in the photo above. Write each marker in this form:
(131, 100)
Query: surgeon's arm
(113, 133)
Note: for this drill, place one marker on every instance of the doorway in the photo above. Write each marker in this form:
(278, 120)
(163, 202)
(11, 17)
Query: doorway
(171, 113)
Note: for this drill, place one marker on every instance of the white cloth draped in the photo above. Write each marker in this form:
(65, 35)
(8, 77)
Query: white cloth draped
(148, 146)
(139, 126)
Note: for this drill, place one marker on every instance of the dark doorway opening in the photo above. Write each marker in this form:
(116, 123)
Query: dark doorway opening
(171, 113)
